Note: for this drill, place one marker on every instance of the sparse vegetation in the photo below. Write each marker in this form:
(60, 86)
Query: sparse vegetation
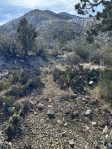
(14, 130)
(9, 45)
(105, 85)
(76, 77)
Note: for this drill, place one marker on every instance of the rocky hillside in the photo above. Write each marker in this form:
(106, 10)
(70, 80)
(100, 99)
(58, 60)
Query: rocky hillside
(49, 24)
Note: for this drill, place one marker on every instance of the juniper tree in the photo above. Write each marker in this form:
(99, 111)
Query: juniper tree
(26, 35)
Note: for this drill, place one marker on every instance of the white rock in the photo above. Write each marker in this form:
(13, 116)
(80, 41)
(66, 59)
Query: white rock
(105, 130)
(71, 143)
(11, 110)
(51, 113)
(88, 112)
(94, 124)
(40, 106)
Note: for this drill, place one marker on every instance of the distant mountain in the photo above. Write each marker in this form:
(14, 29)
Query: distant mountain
(50, 25)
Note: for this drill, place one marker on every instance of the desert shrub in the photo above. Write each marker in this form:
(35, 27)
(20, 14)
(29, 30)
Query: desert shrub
(76, 77)
(13, 76)
(28, 105)
(14, 130)
(105, 85)
(57, 73)
(24, 77)
(4, 84)
(18, 106)
(35, 83)
(15, 120)
(20, 90)
(63, 77)
(82, 52)
(99, 55)
(73, 58)
(43, 54)
(6, 103)
(8, 45)
(63, 82)
(16, 90)
(9, 101)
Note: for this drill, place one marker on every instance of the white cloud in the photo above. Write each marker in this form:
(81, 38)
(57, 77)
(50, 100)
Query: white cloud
(56, 5)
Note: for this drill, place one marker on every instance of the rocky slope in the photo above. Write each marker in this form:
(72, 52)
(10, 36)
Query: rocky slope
(79, 121)
(48, 24)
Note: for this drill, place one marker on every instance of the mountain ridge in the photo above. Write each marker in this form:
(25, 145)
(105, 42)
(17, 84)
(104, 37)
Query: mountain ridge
(47, 22)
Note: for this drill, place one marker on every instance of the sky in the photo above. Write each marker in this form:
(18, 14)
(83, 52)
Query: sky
(12, 9)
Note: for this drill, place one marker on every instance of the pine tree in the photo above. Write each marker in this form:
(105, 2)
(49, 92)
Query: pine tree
(26, 35)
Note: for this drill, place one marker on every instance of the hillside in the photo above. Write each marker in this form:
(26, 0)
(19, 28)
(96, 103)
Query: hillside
(48, 24)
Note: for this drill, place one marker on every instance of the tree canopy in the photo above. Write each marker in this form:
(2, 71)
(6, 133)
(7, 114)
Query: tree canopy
(26, 35)
(105, 17)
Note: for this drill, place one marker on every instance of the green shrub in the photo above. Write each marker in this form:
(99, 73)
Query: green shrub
(4, 84)
(24, 77)
(20, 90)
(82, 52)
(16, 91)
(105, 85)
(18, 106)
(76, 77)
(14, 130)
(73, 59)
(28, 105)
(35, 83)
(10, 78)
(15, 120)
(9, 101)
(15, 76)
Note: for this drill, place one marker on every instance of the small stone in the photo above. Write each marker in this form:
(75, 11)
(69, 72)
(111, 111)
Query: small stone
(42, 121)
(50, 106)
(35, 113)
(95, 102)
(60, 122)
(21, 113)
(74, 114)
(65, 124)
(72, 143)
(111, 134)
(51, 113)
(94, 124)
(40, 106)
(64, 134)
(91, 83)
(105, 130)
(10, 144)
(46, 99)
(111, 112)
(88, 112)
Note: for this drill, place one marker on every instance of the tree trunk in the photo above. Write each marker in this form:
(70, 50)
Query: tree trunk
(26, 53)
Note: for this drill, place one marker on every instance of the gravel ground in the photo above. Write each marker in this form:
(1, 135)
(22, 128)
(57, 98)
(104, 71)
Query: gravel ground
(78, 121)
